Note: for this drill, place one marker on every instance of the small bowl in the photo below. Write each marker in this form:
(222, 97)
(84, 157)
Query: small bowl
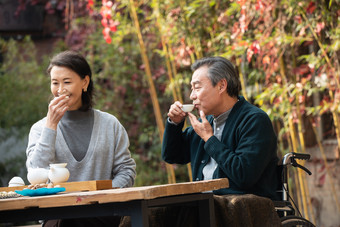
(188, 107)
(16, 182)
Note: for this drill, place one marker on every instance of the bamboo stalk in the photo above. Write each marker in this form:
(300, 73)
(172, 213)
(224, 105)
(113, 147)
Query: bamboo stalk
(301, 194)
(309, 201)
(306, 197)
(297, 192)
(170, 66)
(178, 91)
(299, 173)
(289, 138)
(293, 171)
(337, 126)
(323, 155)
(335, 119)
(301, 199)
(292, 134)
(243, 86)
(153, 94)
(174, 70)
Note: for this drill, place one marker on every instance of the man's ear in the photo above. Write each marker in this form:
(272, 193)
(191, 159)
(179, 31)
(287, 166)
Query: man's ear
(222, 85)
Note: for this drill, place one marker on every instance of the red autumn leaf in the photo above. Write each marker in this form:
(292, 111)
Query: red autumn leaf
(106, 31)
(277, 100)
(301, 70)
(243, 43)
(243, 24)
(108, 40)
(319, 27)
(241, 2)
(255, 46)
(278, 79)
(322, 169)
(311, 7)
(308, 43)
(291, 99)
(104, 22)
(253, 49)
(113, 28)
(250, 53)
(298, 19)
(266, 60)
(90, 5)
(223, 18)
(302, 98)
(322, 179)
(260, 5)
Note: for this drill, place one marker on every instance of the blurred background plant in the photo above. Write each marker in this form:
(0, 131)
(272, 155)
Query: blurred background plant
(287, 53)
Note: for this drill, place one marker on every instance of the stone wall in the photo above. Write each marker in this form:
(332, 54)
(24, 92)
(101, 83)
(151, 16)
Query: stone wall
(324, 186)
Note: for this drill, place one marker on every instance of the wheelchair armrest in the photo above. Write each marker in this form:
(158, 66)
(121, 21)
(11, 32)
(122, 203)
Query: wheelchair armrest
(284, 206)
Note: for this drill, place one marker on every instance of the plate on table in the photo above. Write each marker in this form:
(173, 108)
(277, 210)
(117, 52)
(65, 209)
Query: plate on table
(40, 191)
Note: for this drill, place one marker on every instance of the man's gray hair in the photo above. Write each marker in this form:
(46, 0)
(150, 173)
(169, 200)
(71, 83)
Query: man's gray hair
(220, 68)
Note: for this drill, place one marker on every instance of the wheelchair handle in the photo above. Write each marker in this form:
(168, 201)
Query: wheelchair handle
(291, 157)
(294, 163)
(301, 156)
(287, 159)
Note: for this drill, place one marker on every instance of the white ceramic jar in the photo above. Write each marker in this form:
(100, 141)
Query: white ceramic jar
(58, 173)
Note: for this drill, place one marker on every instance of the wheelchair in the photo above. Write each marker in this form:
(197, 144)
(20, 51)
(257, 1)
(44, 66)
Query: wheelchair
(284, 207)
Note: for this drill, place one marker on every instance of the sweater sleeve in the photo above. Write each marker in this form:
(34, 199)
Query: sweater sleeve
(41, 146)
(175, 147)
(124, 166)
(256, 145)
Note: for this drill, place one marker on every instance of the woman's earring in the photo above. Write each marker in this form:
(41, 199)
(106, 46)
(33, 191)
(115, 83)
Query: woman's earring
(85, 89)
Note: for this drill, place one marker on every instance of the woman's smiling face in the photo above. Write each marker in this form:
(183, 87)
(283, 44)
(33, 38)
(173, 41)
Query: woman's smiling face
(65, 81)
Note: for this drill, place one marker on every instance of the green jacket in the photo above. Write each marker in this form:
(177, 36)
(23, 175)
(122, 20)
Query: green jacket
(246, 154)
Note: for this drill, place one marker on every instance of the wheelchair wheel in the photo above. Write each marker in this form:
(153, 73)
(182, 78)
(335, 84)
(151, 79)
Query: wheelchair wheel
(295, 221)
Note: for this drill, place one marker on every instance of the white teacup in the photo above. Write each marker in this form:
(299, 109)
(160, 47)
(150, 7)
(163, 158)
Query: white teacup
(16, 182)
(37, 175)
(188, 107)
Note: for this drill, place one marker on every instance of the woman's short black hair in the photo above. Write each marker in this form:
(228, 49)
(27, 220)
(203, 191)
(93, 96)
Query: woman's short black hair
(220, 68)
(77, 63)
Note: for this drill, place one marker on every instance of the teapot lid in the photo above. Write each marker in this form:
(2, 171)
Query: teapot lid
(58, 165)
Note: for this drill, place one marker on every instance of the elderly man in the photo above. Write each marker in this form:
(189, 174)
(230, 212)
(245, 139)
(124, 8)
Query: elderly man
(232, 139)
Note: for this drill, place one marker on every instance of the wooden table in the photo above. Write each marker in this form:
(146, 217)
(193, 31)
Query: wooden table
(134, 202)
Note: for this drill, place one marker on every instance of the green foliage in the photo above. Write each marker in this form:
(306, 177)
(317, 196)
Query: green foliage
(24, 85)
(24, 96)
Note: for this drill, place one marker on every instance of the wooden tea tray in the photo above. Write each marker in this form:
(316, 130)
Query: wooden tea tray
(73, 186)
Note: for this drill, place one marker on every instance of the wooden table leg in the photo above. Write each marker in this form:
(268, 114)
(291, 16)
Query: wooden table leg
(140, 214)
(207, 212)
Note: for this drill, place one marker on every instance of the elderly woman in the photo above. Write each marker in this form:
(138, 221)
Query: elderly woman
(93, 143)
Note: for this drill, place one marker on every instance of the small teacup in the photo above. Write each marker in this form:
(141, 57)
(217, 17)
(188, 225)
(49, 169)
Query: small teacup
(188, 107)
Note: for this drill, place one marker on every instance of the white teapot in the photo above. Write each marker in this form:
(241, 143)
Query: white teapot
(37, 175)
(58, 173)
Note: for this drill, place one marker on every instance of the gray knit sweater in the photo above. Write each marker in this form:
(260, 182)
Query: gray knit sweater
(107, 157)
